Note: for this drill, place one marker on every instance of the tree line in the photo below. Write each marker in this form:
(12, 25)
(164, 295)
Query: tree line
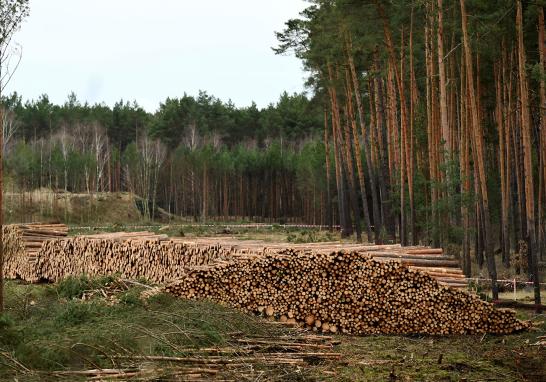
(195, 156)
(434, 113)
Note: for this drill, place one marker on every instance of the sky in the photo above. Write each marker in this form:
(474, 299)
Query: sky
(107, 50)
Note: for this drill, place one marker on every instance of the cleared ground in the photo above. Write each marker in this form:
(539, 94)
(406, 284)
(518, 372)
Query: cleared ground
(56, 332)
(71, 330)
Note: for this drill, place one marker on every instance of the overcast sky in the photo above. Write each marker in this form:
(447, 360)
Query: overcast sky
(105, 50)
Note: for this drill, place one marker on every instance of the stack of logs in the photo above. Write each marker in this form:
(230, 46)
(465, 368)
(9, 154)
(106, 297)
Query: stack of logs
(35, 252)
(346, 292)
(154, 259)
(365, 290)
(432, 261)
(23, 242)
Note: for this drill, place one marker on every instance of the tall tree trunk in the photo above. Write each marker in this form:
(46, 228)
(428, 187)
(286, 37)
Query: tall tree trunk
(380, 161)
(346, 228)
(542, 111)
(431, 112)
(364, 148)
(1, 203)
(327, 160)
(446, 137)
(392, 135)
(385, 181)
(446, 141)
(505, 240)
(398, 77)
(392, 145)
(413, 103)
(346, 141)
(507, 119)
(518, 171)
(358, 159)
(527, 158)
(406, 153)
(465, 174)
(478, 145)
(372, 168)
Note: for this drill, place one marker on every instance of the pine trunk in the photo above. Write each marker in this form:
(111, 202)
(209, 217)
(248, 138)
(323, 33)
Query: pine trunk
(372, 167)
(446, 136)
(527, 158)
(346, 228)
(413, 103)
(464, 153)
(505, 239)
(542, 111)
(327, 164)
(346, 139)
(364, 148)
(399, 82)
(1, 205)
(478, 146)
(358, 159)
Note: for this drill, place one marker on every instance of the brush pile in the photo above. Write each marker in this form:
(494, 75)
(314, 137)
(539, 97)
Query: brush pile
(346, 292)
(257, 358)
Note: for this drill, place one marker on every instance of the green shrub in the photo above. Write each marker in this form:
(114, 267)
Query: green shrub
(131, 297)
(162, 300)
(76, 313)
(8, 333)
(74, 287)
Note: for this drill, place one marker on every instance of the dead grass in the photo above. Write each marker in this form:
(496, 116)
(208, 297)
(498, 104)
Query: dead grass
(93, 208)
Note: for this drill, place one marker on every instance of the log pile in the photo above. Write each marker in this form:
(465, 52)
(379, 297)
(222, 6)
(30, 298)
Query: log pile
(365, 290)
(154, 259)
(432, 261)
(23, 242)
(344, 292)
(153, 256)
(160, 259)
(12, 242)
(445, 269)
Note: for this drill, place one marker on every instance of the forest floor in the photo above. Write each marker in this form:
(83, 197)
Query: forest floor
(71, 330)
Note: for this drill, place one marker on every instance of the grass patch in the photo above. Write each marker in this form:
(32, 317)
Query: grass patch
(311, 236)
(49, 327)
(268, 233)
(453, 358)
(59, 331)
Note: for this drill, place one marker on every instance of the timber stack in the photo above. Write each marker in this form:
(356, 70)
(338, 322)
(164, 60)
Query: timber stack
(151, 258)
(22, 243)
(364, 290)
(43, 252)
(351, 293)
(445, 269)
